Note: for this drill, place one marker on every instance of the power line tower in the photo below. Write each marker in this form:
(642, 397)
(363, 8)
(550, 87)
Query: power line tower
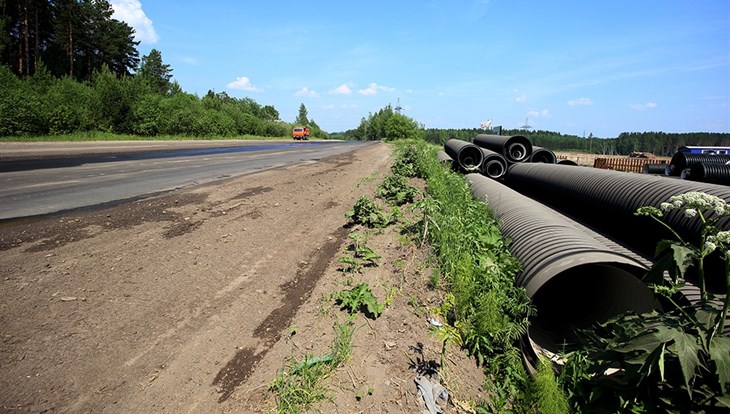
(526, 126)
(398, 108)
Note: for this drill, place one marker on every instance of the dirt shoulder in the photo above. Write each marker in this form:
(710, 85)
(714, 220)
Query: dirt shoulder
(193, 301)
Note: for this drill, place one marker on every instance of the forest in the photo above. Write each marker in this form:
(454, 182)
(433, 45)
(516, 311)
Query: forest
(66, 66)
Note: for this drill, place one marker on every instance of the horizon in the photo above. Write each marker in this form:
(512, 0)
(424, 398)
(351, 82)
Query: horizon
(603, 69)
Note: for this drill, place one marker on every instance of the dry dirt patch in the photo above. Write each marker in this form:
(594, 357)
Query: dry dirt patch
(184, 302)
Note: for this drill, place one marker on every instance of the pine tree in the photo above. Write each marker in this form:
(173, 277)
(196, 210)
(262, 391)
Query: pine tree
(156, 73)
(302, 117)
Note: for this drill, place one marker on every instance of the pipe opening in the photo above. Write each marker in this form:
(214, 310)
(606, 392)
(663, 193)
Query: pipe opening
(470, 157)
(583, 296)
(517, 151)
(493, 169)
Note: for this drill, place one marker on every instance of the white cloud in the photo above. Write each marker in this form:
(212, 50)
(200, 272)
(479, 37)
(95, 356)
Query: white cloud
(644, 106)
(243, 83)
(373, 89)
(343, 89)
(580, 102)
(539, 114)
(521, 98)
(130, 12)
(307, 93)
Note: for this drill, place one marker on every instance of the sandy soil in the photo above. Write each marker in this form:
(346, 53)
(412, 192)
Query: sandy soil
(193, 301)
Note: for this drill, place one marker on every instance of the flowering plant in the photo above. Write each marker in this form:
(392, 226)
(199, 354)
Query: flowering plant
(677, 360)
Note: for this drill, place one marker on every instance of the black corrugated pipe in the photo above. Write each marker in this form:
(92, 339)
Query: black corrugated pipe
(494, 165)
(682, 160)
(567, 162)
(467, 155)
(574, 276)
(515, 148)
(541, 154)
(710, 173)
(442, 156)
(656, 169)
(606, 200)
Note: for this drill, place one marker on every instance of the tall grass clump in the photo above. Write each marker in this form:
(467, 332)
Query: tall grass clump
(489, 312)
(302, 384)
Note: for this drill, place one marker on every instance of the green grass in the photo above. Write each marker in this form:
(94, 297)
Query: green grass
(108, 136)
(301, 385)
(489, 313)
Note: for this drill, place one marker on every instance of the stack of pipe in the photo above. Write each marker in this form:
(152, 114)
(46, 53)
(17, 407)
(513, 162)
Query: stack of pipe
(574, 276)
(682, 161)
(515, 148)
(606, 200)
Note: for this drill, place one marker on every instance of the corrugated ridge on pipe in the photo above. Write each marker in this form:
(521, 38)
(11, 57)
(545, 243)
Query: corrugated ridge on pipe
(710, 173)
(606, 201)
(573, 278)
(465, 154)
(515, 148)
(682, 160)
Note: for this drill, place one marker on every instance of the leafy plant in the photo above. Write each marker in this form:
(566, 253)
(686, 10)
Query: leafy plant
(361, 250)
(675, 361)
(368, 213)
(488, 312)
(396, 190)
(362, 255)
(360, 298)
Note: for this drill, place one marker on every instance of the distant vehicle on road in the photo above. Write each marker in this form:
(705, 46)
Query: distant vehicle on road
(300, 133)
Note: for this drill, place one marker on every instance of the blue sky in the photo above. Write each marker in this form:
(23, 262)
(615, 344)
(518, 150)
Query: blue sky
(575, 67)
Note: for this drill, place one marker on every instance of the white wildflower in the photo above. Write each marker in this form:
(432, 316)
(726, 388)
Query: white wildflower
(723, 237)
(709, 247)
(690, 212)
(666, 206)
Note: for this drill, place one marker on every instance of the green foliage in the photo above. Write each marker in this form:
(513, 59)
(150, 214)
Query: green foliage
(73, 38)
(360, 298)
(155, 73)
(69, 106)
(368, 213)
(396, 190)
(21, 107)
(545, 392)
(674, 361)
(302, 116)
(301, 385)
(488, 311)
(386, 124)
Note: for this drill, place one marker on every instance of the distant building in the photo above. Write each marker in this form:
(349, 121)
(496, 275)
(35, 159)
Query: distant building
(705, 150)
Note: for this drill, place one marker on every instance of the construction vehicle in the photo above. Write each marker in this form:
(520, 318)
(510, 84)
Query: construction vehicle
(300, 133)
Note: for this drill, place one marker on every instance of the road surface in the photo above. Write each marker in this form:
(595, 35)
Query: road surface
(37, 180)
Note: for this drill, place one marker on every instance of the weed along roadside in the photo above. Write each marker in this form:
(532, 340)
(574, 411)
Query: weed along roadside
(427, 315)
(424, 304)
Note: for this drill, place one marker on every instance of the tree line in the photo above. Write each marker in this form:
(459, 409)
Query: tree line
(67, 67)
(657, 143)
(75, 38)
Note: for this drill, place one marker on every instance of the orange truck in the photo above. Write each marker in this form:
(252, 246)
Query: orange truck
(300, 133)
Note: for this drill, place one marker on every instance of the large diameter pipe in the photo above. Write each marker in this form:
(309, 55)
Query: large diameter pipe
(466, 155)
(682, 160)
(710, 173)
(515, 148)
(606, 200)
(574, 276)
(541, 154)
(494, 165)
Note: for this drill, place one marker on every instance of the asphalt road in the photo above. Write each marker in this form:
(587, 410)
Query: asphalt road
(48, 181)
